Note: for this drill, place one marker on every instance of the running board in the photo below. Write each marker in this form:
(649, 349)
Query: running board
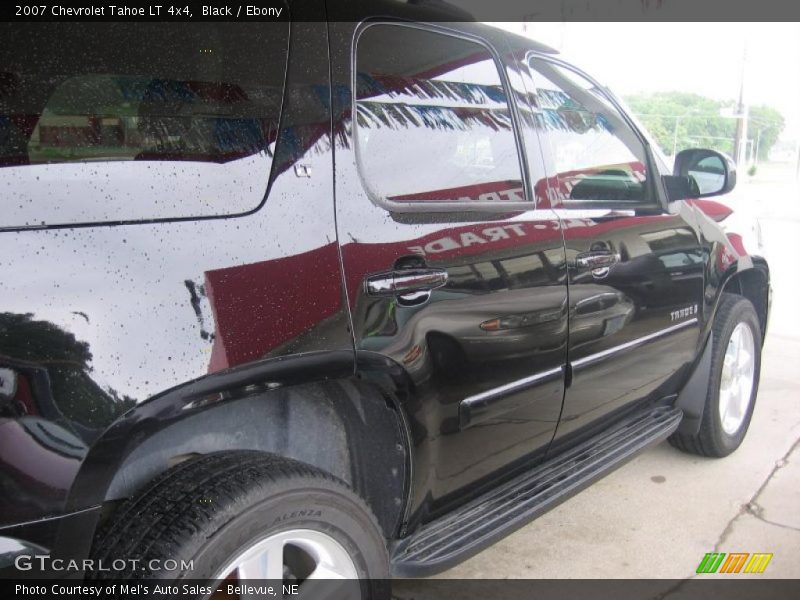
(453, 538)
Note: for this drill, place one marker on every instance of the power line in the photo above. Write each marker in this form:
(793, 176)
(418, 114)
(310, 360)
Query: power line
(691, 115)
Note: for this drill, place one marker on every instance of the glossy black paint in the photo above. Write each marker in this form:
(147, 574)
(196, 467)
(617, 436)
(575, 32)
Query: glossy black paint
(472, 416)
(659, 274)
(135, 345)
(99, 320)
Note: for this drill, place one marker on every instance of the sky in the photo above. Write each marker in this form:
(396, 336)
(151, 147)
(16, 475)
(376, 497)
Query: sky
(704, 58)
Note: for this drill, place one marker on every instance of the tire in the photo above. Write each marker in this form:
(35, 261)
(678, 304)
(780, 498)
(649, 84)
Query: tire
(213, 508)
(719, 437)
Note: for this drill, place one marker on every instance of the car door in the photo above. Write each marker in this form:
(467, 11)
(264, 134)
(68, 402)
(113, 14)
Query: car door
(636, 272)
(452, 275)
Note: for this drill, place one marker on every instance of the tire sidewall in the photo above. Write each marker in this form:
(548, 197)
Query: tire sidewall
(741, 311)
(317, 504)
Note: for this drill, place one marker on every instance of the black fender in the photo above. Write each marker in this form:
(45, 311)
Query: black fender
(729, 267)
(751, 280)
(310, 407)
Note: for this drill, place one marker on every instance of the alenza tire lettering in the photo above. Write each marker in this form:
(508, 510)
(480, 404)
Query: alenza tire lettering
(298, 514)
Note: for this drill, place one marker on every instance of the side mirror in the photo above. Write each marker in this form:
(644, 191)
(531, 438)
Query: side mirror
(700, 173)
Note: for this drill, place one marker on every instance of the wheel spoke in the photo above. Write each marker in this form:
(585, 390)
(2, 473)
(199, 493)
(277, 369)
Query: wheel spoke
(737, 402)
(736, 381)
(326, 571)
(266, 564)
(745, 390)
(728, 365)
(736, 341)
(314, 555)
(744, 359)
(729, 413)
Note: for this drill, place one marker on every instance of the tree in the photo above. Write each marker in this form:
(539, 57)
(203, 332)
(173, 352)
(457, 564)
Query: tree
(679, 120)
(770, 123)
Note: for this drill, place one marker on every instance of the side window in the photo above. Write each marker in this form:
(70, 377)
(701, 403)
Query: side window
(594, 155)
(432, 122)
(135, 121)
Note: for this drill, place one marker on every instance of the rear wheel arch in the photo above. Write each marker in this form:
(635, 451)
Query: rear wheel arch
(342, 427)
(226, 511)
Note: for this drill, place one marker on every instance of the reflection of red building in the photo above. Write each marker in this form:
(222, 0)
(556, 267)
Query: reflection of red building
(549, 191)
(258, 307)
(715, 210)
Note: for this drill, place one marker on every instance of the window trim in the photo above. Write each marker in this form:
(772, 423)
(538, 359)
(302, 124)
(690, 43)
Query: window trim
(394, 206)
(655, 202)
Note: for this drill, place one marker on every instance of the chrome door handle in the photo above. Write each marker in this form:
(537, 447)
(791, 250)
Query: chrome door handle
(596, 260)
(404, 281)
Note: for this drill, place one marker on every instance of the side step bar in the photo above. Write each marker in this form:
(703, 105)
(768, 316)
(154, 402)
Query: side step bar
(456, 536)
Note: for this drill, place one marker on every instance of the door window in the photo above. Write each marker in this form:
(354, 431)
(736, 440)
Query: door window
(433, 122)
(595, 155)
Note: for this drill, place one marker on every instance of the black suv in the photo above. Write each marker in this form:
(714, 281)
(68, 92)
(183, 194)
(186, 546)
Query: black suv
(340, 297)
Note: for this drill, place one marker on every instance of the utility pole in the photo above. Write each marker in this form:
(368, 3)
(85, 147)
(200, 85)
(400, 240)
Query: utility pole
(740, 140)
(797, 171)
(675, 137)
(758, 144)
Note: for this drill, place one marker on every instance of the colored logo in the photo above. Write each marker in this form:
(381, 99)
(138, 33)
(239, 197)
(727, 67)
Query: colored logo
(735, 562)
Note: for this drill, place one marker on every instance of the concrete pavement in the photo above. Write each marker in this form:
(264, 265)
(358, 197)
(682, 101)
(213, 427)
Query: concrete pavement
(657, 516)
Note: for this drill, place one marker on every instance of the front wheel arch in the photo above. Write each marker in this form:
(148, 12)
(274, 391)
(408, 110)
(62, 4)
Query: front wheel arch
(753, 284)
(711, 438)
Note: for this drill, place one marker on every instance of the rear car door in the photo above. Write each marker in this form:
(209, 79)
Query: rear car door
(452, 275)
(636, 273)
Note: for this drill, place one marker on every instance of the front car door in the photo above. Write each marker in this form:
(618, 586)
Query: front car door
(636, 272)
(454, 280)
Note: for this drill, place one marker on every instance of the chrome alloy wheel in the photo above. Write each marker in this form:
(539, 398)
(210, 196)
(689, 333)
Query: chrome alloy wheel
(294, 555)
(736, 383)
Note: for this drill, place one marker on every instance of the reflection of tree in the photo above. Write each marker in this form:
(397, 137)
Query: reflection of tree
(40, 341)
(682, 120)
(562, 112)
(369, 85)
(483, 105)
(63, 360)
(401, 102)
(395, 116)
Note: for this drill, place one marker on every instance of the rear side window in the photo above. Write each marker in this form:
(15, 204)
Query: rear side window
(594, 153)
(134, 121)
(432, 120)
